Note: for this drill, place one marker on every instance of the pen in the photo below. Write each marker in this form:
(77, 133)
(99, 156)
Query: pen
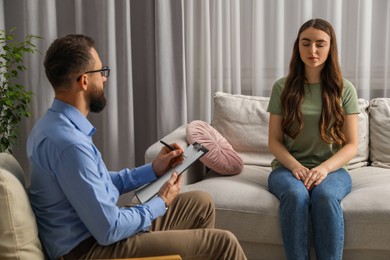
(169, 146)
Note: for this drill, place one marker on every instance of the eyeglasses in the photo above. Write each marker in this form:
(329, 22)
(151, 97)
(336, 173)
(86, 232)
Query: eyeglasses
(105, 71)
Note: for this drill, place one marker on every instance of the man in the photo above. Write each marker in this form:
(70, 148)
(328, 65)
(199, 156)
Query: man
(74, 196)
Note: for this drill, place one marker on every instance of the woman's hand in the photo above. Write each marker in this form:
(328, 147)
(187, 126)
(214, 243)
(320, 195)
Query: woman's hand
(300, 172)
(315, 176)
(166, 159)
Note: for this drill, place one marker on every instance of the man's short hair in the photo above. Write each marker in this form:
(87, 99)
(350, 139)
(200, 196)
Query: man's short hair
(66, 57)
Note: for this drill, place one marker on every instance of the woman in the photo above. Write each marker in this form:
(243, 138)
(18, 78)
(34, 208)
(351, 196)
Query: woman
(313, 134)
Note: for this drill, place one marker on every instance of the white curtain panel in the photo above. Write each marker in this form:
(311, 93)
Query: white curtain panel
(243, 46)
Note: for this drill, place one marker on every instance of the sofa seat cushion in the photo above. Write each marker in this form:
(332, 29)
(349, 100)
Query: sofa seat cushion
(243, 204)
(367, 209)
(246, 207)
(18, 229)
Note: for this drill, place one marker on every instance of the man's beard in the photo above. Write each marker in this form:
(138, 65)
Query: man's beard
(97, 100)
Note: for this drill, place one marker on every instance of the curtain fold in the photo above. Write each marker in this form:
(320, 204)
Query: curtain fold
(158, 70)
(363, 40)
(257, 48)
(170, 85)
(386, 72)
(125, 95)
(2, 22)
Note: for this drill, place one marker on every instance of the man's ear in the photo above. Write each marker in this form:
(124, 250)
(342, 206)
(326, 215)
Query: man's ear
(83, 82)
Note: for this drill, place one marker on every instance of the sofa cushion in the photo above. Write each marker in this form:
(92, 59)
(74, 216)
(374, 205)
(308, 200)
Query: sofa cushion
(243, 121)
(362, 156)
(380, 132)
(367, 211)
(248, 209)
(18, 229)
(221, 156)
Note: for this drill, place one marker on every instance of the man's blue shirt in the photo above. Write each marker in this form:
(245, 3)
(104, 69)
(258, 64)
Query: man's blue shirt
(72, 193)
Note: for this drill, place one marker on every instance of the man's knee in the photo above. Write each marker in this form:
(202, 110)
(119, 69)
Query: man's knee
(230, 236)
(200, 199)
(227, 239)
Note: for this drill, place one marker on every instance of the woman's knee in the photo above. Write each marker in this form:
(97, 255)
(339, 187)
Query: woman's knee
(297, 194)
(334, 188)
(280, 179)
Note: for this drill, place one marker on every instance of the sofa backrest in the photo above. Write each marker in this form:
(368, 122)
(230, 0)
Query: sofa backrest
(18, 229)
(243, 121)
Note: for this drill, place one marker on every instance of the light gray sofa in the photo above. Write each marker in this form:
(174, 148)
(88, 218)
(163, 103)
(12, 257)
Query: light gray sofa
(246, 207)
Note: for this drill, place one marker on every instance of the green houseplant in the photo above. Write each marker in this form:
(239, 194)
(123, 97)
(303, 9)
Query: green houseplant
(14, 99)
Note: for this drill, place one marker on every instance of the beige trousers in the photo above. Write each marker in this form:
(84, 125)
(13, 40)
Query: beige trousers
(187, 229)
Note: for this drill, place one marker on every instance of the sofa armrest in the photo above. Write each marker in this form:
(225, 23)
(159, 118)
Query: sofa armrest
(193, 174)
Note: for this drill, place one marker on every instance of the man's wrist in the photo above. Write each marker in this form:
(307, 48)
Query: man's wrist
(165, 203)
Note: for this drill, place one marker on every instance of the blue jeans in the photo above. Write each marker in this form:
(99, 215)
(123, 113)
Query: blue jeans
(323, 203)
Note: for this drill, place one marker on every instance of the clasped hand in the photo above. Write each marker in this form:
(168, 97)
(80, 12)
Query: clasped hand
(165, 160)
(310, 177)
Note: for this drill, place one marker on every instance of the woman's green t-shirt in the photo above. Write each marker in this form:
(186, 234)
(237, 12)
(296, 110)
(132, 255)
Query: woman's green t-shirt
(308, 147)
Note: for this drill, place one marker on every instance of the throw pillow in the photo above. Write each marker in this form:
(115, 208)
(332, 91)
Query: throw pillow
(221, 156)
(380, 132)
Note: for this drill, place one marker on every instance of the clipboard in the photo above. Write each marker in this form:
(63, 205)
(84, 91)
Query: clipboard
(191, 155)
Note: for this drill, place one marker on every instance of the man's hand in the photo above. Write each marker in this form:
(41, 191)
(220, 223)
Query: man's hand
(170, 189)
(166, 159)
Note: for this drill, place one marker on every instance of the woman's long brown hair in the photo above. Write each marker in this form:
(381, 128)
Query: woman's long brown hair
(332, 118)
